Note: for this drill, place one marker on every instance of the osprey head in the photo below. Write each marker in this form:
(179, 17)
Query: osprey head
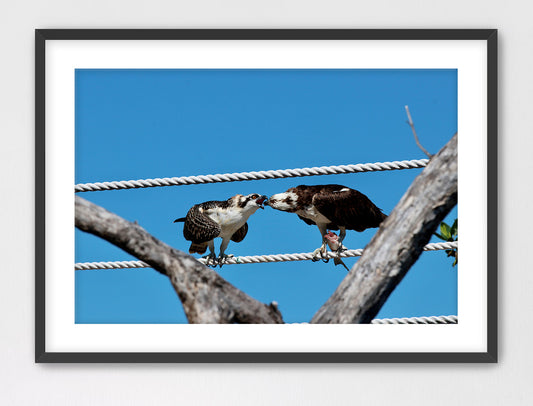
(252, 201)
(286, 201)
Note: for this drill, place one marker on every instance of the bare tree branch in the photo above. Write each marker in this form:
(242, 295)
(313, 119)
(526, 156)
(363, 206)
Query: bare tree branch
(397, 244)
(412, 125)
(206, 296)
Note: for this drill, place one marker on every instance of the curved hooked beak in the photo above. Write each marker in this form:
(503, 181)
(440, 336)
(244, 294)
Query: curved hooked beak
(262, 200)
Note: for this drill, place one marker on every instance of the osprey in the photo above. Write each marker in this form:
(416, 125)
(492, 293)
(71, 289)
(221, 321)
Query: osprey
(329, 207)
(226, 219)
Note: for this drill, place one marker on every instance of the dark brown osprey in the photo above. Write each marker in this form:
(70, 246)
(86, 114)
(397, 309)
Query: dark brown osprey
(226, 219)
(329, 207)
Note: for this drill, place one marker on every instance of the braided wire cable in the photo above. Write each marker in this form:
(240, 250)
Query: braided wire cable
(256, 175)
(418, 320)
(85, 266)
(251, 259)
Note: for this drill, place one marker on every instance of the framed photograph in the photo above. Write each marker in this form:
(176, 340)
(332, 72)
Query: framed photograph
(266, 196)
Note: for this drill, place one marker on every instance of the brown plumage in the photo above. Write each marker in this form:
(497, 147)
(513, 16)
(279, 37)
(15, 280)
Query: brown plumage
(226, 219)
(329, 207)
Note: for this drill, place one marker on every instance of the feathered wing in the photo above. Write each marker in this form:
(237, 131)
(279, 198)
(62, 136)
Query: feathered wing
(198, 227)
(348, 208)
(239, 235)
(308, 221)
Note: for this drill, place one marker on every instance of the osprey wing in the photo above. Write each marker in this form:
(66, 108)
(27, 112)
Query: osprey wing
(198, 227)
(348, 208)
(239, 235)
(308, 221)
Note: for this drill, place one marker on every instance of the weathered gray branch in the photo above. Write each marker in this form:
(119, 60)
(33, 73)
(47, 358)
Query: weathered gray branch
(206, 296)
(412, 125)
(397, 244)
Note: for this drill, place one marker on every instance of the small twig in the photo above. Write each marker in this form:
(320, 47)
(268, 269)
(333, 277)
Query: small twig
(412, 125)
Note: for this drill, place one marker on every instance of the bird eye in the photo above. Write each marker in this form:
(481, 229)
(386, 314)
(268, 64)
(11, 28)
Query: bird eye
(255, 196)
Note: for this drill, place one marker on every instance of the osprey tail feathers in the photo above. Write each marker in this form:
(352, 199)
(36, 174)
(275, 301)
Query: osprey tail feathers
(198, 248)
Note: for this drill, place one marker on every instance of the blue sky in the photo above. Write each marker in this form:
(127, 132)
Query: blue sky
(138, 124)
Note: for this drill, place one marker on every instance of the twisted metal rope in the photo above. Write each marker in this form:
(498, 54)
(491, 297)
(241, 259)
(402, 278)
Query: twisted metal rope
(250, 259)
(418, 320)
(243, 176)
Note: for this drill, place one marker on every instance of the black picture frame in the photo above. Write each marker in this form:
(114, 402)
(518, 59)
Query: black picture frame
(44, 35)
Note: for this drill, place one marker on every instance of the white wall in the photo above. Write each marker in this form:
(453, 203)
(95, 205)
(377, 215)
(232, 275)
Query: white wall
(23, 382)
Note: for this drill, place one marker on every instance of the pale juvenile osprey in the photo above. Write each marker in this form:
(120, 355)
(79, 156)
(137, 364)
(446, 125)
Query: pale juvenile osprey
(329, 207)
(226, 219)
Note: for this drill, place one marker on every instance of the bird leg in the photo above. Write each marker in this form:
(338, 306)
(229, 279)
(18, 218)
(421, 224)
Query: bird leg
(222, 259)
(342, 234)
(340, 248)
(335, 246)
(222, 256)
(321, 253)
(211, 259)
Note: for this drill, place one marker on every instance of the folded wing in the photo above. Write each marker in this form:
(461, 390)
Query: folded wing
(239, 235)
(348, 208)
(198, 227)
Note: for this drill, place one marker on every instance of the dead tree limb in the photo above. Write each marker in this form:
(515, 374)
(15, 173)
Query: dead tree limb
(397, 244)
(206, 296)
(412, 125)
